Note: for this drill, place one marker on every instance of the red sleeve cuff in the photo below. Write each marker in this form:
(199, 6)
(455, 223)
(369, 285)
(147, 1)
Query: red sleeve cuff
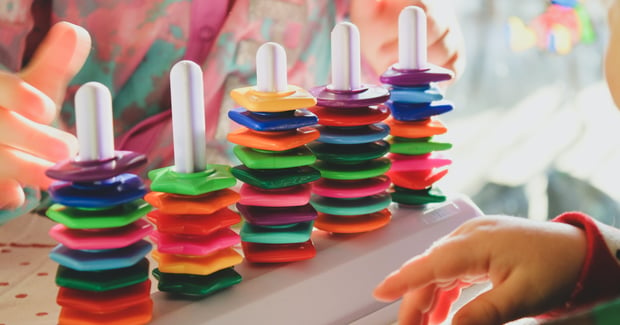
(598, 279)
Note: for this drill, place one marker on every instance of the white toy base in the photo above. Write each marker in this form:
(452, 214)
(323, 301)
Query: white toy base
(334, 287)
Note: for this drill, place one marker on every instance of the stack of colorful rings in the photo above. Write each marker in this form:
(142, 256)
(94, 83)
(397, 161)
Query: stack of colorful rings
(415, 100)
(103, 273)
(275, 170)
(351, 196)
(195, 245)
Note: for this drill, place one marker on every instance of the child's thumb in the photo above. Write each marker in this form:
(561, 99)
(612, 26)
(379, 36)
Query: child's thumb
(56, 61)
(13, 196)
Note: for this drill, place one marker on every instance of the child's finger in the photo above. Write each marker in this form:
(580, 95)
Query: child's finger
(25, 168)
(21, 97)
(612, 59)
(444, 50)
(452, 260)
(59, 57)
(446, 45)
(439, 20)
(504, 302)
(40, 140)
(12, 194)
(416, 304)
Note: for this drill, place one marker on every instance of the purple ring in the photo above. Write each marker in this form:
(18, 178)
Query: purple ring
(71, 170)
(412, 78)
(368, 96)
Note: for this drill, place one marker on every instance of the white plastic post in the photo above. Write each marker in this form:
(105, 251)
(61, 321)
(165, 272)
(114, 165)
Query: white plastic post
(271, 74)
(188, 117)
(346, 66)
(94, 122)
(412, 39)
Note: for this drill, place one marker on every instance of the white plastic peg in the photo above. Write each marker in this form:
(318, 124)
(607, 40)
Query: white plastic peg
(271, 73)
(94, 122)
(346, 66)
(188, 117)
(412, 39)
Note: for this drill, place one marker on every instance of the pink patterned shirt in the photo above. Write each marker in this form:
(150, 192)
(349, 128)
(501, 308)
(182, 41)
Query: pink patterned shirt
(135, 43)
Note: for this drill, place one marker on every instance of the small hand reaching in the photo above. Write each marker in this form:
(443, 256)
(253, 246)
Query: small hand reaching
(378, 25)
(532, 266)
(29, 102)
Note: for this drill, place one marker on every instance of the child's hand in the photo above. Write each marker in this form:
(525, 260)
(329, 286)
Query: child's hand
(612, 58)
(377, 21)
(29, 102)
(533, 267)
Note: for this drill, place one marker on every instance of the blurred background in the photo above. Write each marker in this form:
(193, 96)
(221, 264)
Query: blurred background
(535, 132)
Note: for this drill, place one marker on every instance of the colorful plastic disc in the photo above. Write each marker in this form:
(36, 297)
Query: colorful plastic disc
(276, 178)
(353, 134)
(118, 190)
(417, 197)
(367, 96)
(353, 224)
(417, 180)
(368, 169)
(101, 239)
(278, 253)
(102, 280)
(213, 178)
(419, 146)
(411, 78)
(194, 224)
(282, 234)
(347, 189)
(199, 265)
(416, 112)
(196, 285)
(256, 101)
(193, 244)
(282, 197)
(287, 120)
(566, 3)
(201, 204)
(107, 301)
(99, 260)
(92, 171)
(119, 216)
(273, 216)
(421, 94)
(273, 140)
(349, 153)
(416, 129)
(141, 313)
(301, 156)
(350, 207)
(330, 116)
(403, 163)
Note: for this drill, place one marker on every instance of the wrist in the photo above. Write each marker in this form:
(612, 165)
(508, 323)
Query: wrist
(598, 268)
